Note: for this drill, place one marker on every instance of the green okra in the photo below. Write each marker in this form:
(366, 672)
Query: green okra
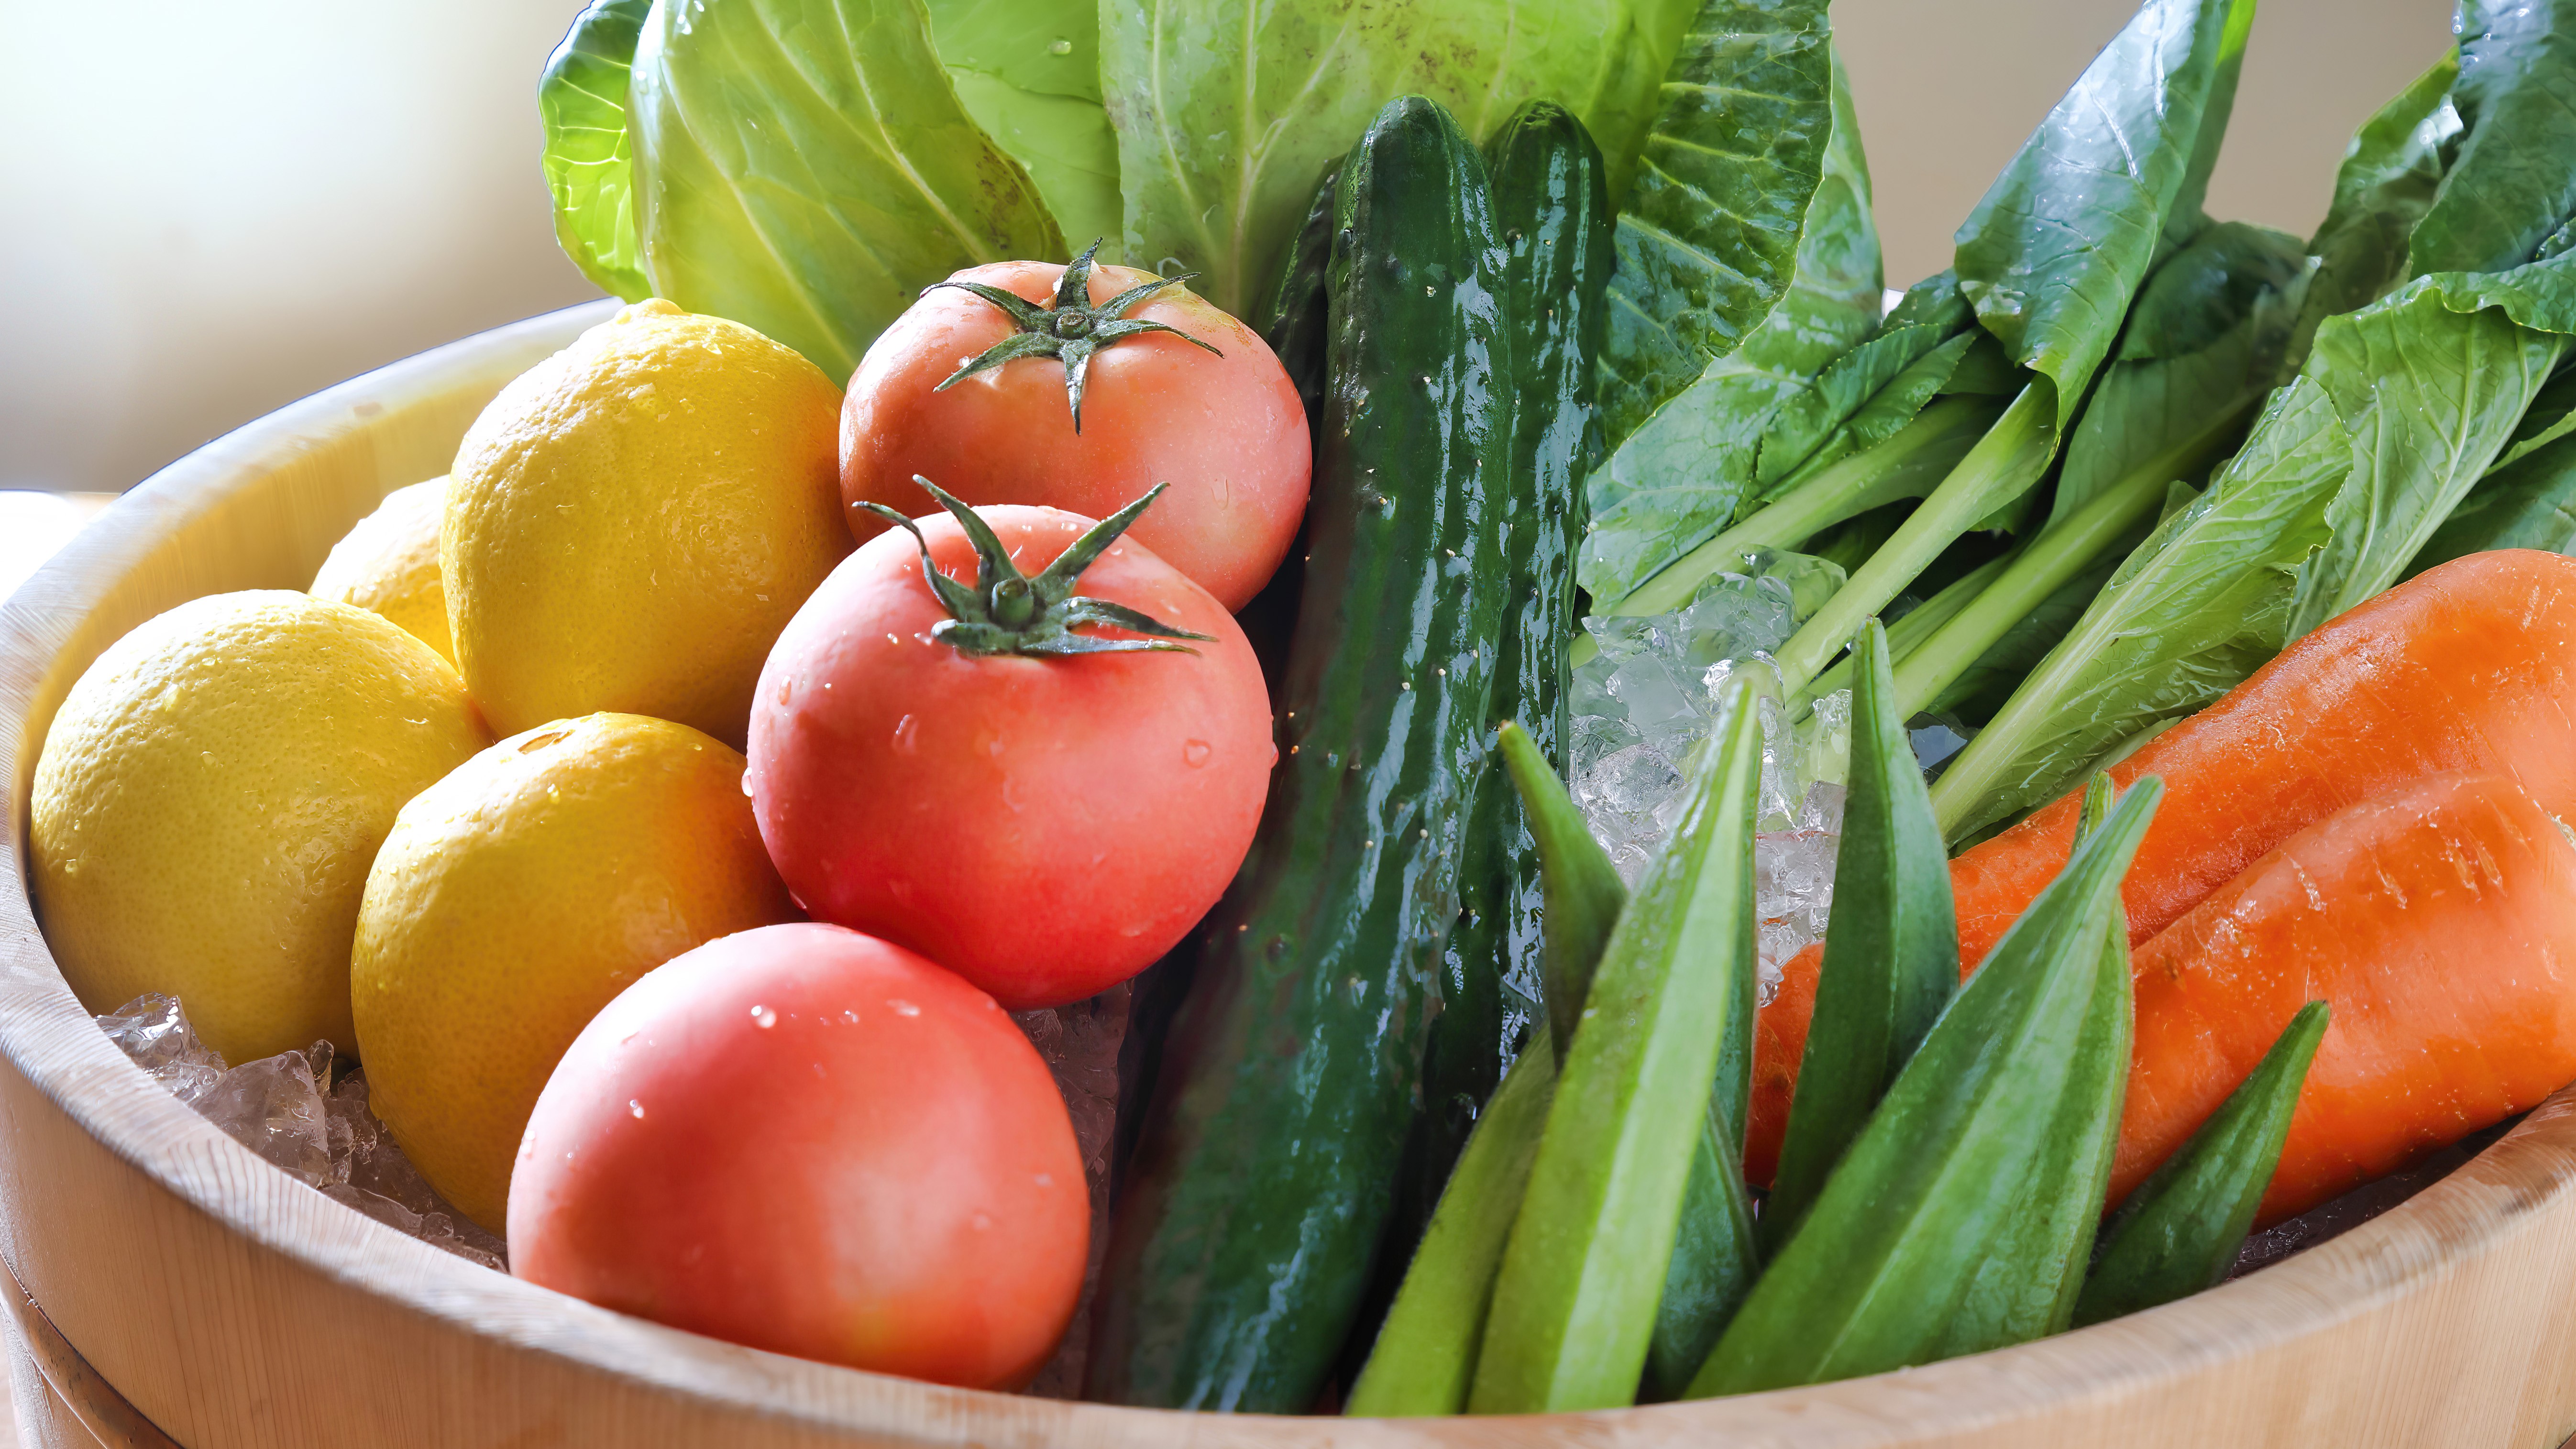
(1891, 956)
(1581, 889)
(1944, 1230)
(1575, 1304)
(2181, 1229)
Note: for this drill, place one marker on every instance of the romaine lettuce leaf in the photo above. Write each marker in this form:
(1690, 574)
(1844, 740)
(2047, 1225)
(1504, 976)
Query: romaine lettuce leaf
(581, 98)
(1677, 480)
(2529, 502)
(1709, 236)
(2388, 178)
(807, 169)
(1028, 71)
(1227, 111)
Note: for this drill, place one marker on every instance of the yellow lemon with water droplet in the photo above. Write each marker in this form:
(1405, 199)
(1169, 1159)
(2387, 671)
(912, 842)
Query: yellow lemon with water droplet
(518, 896)
(631, 522)
(210, 798)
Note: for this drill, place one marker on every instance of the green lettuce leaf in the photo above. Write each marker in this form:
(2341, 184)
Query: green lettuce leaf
(1227, 112)
(1028, 71)
(2193, 610)
(1679, 479)
(2200, 349)
(808, 169)
(1709, 236)
(2527, 503)
(2514, 182)
(2052, 255)
(589, 164)
(2430, 383)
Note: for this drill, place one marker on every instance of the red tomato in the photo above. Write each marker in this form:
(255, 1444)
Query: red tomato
(808, 1141)
(1227, 433)
(1045, 827)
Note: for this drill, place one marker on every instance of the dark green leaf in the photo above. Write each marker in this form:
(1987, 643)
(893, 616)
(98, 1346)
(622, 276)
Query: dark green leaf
(2180, 1230)
(2528, 503)
(589, 159)
(2514, 182)
(1892, 955)
(1940, 1231)
(2053, 253)
(2388, 178)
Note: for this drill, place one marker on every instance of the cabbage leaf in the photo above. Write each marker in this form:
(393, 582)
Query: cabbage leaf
(1227, 111)
(807, 168)
(590, 170)
(1028, 71)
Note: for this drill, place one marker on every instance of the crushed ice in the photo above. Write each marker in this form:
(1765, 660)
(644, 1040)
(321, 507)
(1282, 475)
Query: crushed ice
(286, 1109)
(1640, 709)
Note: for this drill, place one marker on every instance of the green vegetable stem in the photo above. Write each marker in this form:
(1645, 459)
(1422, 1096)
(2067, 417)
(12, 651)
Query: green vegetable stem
(1891, 958)
(1960, 1218)
(2181, 1229)
(1574, 1307)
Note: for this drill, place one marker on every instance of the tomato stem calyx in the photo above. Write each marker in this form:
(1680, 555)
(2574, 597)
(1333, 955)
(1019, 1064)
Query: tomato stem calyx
(1007, 612)
(1069, 329)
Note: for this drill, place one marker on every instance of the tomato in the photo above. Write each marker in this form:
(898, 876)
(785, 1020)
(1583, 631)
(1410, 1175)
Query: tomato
(1226, 432)
(808, 1141)
(1044, 825)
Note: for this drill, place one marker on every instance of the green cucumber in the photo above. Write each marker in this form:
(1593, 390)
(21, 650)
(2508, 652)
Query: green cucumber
(1891, 955)
(1552, 215)
(1938, 1234)
(1574, 1307)
(1262, 1182)
(1291, 314)
(2180, 1230)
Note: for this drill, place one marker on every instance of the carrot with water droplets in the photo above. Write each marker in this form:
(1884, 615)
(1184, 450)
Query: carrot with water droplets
(2439, 924)
(2468, 667)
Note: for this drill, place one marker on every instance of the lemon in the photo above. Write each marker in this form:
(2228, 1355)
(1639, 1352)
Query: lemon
(211, 795)
(632, 522)
(388, 565)
(514, 899)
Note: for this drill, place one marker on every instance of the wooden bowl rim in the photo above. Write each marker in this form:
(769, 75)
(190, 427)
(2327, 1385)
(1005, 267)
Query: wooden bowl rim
(49, 1037)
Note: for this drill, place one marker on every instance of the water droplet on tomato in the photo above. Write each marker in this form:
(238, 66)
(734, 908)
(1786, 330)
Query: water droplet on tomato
(762, 1016)
(1196, 752)
(907, 735)
(902, 1007)
(635, 1109)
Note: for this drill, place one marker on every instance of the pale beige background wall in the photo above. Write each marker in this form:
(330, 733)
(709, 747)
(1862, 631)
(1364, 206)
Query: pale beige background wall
(209, 209)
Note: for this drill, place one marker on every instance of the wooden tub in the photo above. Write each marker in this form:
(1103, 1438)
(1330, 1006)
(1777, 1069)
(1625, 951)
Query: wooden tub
(171, 1288)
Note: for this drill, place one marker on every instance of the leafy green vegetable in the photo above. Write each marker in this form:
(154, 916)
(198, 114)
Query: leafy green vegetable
(589, 163)
(1677, 476)
(1892, 955)
(1028, 72)
(2514, 181)
(2551, 416)
(2527, 503)
(2387, 181)
(2049, 261)
(2192, 611)
(2181, 1229)
(1226, 113)
(1425, 1354)
(1918, 623)
(2052, 255)
(1574, 1309)
(809, 169)
(2431, 392)
(2200, 349)
(1955, 1222)
(1708, 235)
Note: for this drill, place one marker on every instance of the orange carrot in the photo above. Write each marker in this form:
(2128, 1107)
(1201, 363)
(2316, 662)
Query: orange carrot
(2438, 921)
(2470, 666)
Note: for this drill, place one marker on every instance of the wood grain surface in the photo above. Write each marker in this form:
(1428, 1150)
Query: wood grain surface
(230, 1307)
